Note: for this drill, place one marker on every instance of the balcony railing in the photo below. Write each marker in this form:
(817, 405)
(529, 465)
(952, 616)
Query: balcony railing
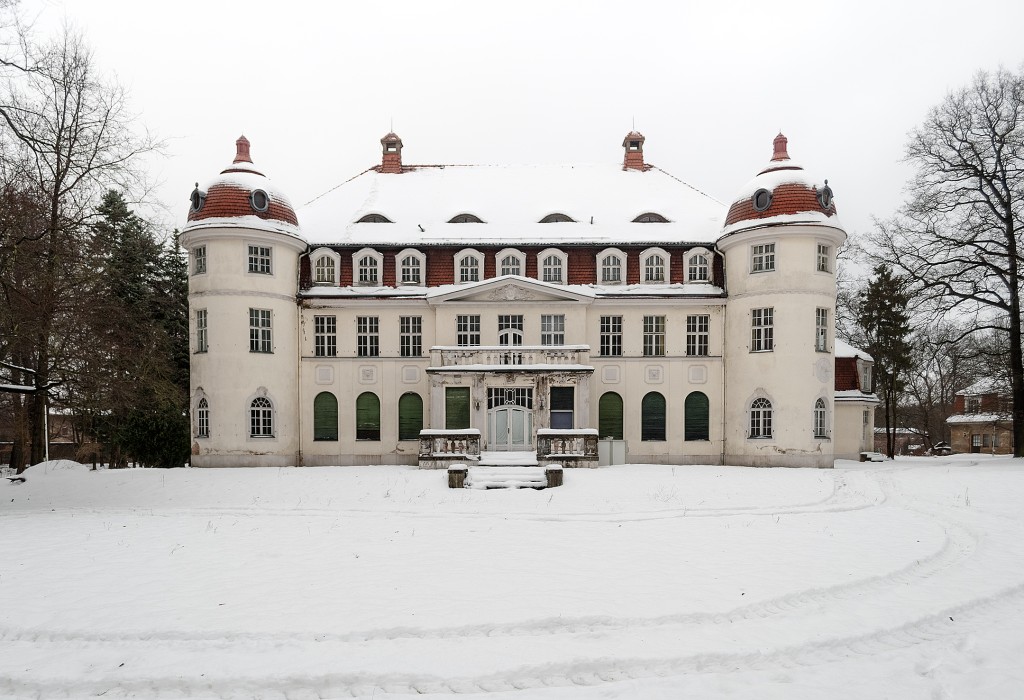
(509, 355)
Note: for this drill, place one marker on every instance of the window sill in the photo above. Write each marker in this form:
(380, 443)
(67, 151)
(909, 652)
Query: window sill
(760, 437)
(258, 272)
(200, 352)
(262, 352)
(769, 350)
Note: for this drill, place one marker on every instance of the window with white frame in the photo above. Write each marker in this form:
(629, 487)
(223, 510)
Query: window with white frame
(261, 259)
(410, 266)
(697, 332)
(510, 262)
(367, 336)
(611, 267)
(820, 419)
(325, 336)
(698, 268)
(510, 329)
(261, 418)
(654, 336)
(260, 331)
(655, 268)
(760, 418)
(410, 336)
(203, 418)
(762, 330)
(199, 260)
(324, 270)
(202, 340)
(367, 265)
(552, 329)
(469, 264)
(467, 330)
(824, 258)
(611, 336)
(821, 330)
(762, 257)
(552, 266)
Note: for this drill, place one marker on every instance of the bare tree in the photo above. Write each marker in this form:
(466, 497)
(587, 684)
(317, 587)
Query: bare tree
(958, 237)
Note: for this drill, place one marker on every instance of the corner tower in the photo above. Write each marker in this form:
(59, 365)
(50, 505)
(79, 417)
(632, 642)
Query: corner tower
(779, 243)
(243, 242)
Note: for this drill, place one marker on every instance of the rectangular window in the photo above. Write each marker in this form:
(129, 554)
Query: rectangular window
(456, 407)
(562, 406)
(260, 339)
(325, 336)
(976, 441)
(697, 334)
(821, 330)
(762, 330)
(201, 338)
(259, 259)
(199, 260)
(654, 336)
(611, 336)
(367, 336)
(762, 257)
(824, 258)
(410, 330)
(552, 329)
(467, 330)
(972, 404)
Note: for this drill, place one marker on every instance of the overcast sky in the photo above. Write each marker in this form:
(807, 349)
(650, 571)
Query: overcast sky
(314, 85)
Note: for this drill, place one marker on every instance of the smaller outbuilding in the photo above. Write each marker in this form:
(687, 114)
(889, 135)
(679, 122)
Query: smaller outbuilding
(982, 421)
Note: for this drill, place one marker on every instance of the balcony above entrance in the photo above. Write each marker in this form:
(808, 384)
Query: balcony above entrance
(511, 358)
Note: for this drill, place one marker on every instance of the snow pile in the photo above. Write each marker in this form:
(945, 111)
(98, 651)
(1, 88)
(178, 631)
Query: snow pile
(56, 467)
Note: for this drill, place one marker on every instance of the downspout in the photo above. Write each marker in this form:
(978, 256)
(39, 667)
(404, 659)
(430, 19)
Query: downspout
(725, 322)
(298, 377)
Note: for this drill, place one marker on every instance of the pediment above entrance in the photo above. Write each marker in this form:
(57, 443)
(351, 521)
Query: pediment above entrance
(502, 290)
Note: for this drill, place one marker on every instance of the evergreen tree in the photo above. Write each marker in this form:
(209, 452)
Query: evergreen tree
(884, 319)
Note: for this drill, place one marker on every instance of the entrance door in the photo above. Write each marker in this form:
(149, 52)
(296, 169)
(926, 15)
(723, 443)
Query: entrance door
(510, 418)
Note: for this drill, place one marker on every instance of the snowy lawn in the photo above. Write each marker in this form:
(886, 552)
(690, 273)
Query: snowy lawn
(901, 580)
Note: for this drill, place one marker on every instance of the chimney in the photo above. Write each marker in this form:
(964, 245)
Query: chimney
(242, 150)
(634, 145)
(392, 159)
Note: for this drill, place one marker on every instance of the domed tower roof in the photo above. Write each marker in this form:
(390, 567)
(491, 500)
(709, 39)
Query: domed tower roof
(242, 196)
(782, 193)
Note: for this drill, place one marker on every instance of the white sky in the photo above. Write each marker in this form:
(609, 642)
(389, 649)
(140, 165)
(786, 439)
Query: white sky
(314, 85)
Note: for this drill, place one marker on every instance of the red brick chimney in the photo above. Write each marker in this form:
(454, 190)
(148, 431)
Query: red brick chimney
(242, 150)
(634, 145)
(392, 160)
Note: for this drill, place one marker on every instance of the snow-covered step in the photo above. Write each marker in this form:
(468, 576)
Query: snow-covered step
(506, 477)
(508, 459)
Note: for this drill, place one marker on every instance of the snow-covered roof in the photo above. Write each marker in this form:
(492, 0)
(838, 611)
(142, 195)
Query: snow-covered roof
(587, 290)
(603, 200)
(978, 418)
(988, 385)
(855, 395)
(844, 349)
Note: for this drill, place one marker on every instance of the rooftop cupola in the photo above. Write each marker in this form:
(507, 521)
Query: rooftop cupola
(391, 161)
(242, 150)
(780, 148)
(634, 145)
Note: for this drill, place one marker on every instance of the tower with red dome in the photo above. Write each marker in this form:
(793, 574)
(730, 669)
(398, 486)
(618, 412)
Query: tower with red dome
(243, 240)
(779, 242)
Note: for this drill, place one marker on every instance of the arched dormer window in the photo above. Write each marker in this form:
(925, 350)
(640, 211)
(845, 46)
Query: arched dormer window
(197, 199)
(374, 219)
(465, 219)
(650, 217)
(698, 266)
(469, 266)
(654, 263)
(510, 262)
(325, 266)
(556, 218)
(552, 263)
(611, 266)
(367, 265)
(410, 266)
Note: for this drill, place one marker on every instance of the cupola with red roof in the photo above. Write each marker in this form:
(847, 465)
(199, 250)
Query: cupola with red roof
(242, 196)
(391, 161)
(634, 145)
(782, 193)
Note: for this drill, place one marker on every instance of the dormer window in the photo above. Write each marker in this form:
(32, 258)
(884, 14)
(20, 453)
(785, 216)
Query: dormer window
(465, 219)
(650, 218)
(972, 404)
(825, 196)
(259, 200)
(410, 266)
(367, 264)
(698, 268)
(469, 265)
(611, 267)
(552, 266)
(374, 219)
(197, 199)
(324, 270)
(557, 218)
(655, 266)
(390, 146)
(511, 262)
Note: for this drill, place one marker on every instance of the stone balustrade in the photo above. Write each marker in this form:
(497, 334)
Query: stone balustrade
(510, 355)
(570, 448)
(440, 449)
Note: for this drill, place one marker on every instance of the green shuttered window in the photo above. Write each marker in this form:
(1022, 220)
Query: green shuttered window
(456, 407)
(368, 417)
(325, 416)
(652, 417)
(696, 411)
(410, 416)
(609, 416)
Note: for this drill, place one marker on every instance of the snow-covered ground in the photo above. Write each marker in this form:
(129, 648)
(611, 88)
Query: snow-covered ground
(896, 580)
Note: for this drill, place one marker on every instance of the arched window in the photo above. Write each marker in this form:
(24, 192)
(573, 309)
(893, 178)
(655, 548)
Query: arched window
(556, 218)
(609, 416)
(552, 266)
(650, 218)
(374, 219)
(203, 419)
(820, 419)
(652, 417)
(511, 265)
(611, 269)
(325, 416)
(465, 219)
(654, 268)
(410, 267)
(760, 418)
(698, 269)
(368, 416)
(324, 270)
(410, 416)
(470, 266)
(261, 418)
(696, 411)
(367, 263)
